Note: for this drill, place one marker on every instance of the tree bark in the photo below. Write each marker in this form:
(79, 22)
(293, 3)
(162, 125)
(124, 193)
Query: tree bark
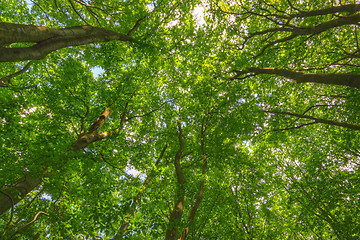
(176, 214)
(198, 200)
(14, 194)
(340, 79)
(48, 40)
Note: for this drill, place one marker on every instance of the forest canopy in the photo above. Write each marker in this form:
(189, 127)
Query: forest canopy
(179, 119)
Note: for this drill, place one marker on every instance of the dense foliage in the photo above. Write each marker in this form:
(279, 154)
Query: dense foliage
(179, 119)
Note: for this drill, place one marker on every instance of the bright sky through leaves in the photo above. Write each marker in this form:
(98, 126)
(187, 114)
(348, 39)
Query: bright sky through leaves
(179, 119)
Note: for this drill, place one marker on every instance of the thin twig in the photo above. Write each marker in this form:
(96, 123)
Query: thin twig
(296, 127)
(137, 24)
(73, 7)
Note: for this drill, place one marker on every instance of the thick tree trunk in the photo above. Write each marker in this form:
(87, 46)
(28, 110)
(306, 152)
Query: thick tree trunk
(48, 40)
(13, 194)
(341, 79)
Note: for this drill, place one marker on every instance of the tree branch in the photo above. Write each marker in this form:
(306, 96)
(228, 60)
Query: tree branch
(25, 185)
(341, 79)
(319, 120)
(27, 224)
(350, 8)
(135, 27)
(17, 192)
(8, 78)
(291, 128)
(145, 114)
(77, 13)
(48, 40)
(304, 31)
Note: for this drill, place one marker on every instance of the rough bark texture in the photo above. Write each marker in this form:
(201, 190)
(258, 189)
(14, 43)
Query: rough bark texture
(345, 79)
(48, 40)
(176, 214)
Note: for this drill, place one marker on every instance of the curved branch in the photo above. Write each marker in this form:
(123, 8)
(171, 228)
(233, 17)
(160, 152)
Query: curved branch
(305, 31)
(27, 224)
(8, 78)
(48, 40)
(137, 24)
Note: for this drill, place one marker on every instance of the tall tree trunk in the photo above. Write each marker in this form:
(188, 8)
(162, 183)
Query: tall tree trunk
(198, 200)
(176, 214)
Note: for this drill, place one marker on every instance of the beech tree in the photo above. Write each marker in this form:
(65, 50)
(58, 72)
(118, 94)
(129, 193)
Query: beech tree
(179, 119)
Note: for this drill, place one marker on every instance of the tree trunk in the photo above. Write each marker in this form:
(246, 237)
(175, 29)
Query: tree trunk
(176, 214)
(48, 40)
(14, 194)
(198, 200)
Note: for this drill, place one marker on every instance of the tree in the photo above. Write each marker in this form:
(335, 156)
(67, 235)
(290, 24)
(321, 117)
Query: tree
(179, 120)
